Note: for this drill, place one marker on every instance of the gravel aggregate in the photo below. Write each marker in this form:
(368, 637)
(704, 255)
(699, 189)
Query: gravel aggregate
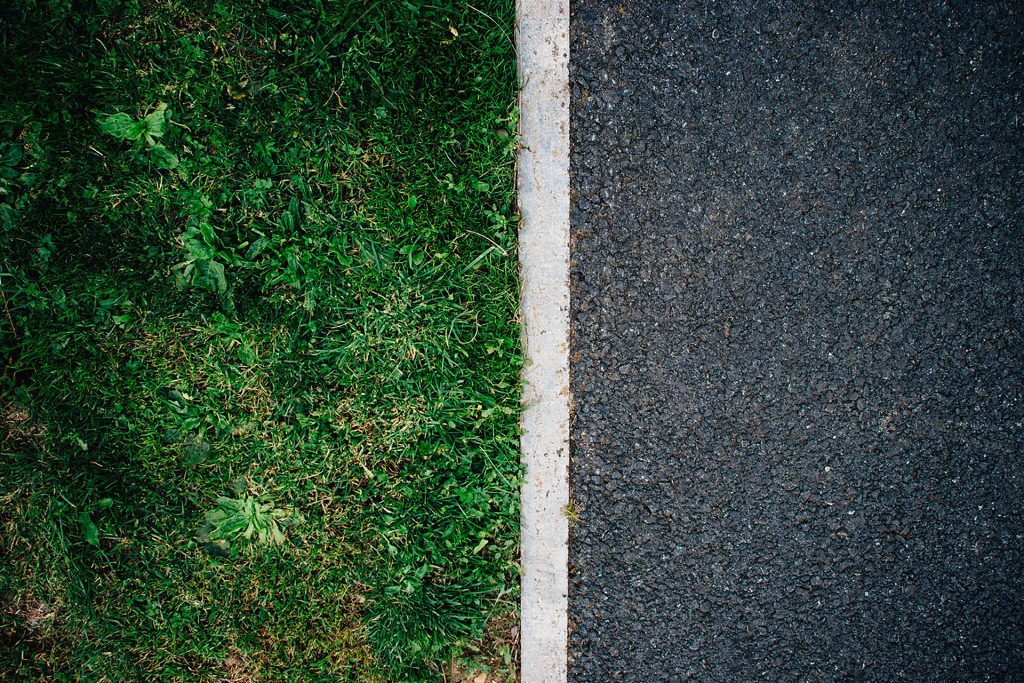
(797, 361)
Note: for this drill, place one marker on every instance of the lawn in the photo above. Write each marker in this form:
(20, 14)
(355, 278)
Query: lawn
(260, 343)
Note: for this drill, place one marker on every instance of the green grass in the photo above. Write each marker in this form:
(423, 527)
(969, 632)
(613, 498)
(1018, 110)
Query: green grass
(295, 286)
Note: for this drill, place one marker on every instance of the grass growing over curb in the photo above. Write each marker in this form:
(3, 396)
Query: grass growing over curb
(258, 267)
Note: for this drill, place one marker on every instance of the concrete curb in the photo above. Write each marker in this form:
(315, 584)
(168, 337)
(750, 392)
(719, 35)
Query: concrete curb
(542, 38)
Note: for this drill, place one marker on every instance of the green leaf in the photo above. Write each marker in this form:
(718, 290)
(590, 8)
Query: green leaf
(122, 126)
(196, 452)
(163, 157)
(234, 524)
(257, 247)
(209, 237)
(196, 246)
(209, 274)
(10, 154)
(156, 121)
(216, 516)
(287, 221)
(89, 530)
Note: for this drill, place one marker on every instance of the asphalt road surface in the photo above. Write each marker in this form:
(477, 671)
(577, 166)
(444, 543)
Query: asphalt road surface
(798, 352)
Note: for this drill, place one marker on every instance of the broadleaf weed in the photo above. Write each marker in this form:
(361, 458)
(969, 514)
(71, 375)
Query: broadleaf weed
(143, 132)
(246, 518)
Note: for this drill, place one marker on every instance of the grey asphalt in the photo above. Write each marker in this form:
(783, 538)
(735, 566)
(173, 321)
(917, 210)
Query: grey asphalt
(797, 362)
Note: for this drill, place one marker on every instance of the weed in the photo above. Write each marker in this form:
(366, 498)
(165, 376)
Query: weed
(572, 512)
(143, 132)
(245, 517)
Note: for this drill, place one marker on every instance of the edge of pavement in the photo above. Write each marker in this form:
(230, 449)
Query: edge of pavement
(542, 41)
